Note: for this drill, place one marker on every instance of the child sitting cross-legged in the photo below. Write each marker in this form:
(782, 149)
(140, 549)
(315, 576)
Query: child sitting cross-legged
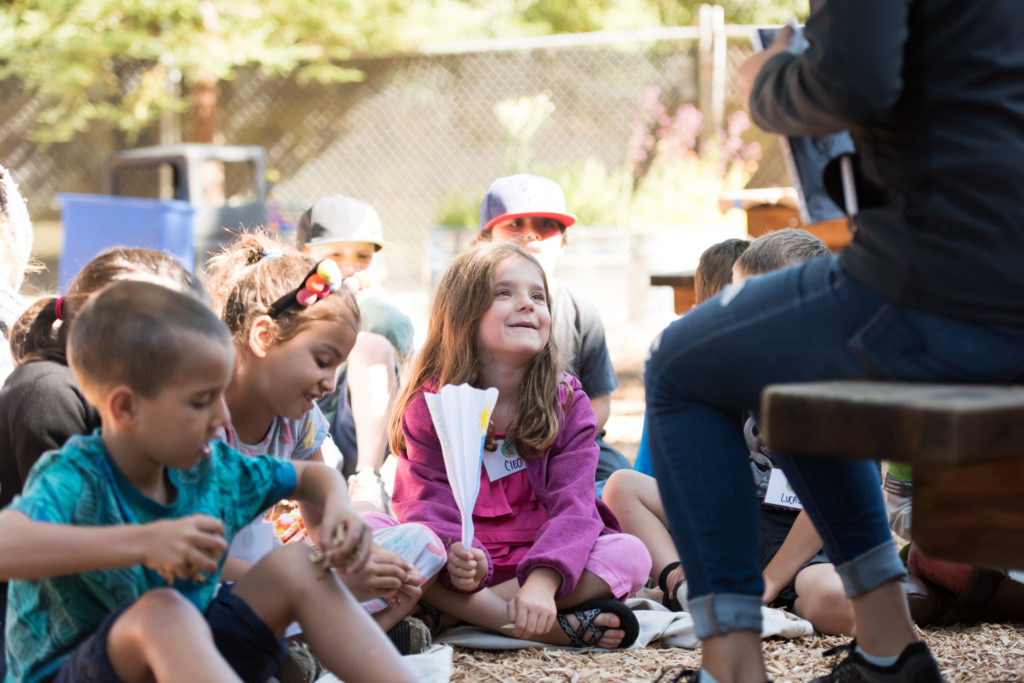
(547, 561)
(289, 343)
(115, 545)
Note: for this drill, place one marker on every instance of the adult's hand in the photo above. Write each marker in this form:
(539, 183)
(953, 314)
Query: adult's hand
(747, 72)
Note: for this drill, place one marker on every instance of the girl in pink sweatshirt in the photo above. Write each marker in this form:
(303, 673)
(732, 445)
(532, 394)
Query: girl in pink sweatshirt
(547, 560)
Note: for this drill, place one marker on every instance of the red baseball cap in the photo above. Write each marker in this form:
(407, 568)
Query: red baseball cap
(517, 196)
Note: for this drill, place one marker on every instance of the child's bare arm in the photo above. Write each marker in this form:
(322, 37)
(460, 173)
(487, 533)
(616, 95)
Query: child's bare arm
(602, 407)
(801, 544)
(322, 495)
(311, 514)
(37, 550)
(532, 609)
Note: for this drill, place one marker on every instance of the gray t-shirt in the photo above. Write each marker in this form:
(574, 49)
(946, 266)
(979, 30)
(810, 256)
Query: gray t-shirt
(578, 330)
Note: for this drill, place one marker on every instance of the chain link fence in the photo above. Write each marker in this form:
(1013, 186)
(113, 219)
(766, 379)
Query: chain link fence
(419, 133)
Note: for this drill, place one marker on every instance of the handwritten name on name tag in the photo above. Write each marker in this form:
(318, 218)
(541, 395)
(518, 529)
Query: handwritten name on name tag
(779, 493)
(502, 462)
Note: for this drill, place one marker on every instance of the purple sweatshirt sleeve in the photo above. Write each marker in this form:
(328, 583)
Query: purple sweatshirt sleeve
(564, 483)
(422, 492)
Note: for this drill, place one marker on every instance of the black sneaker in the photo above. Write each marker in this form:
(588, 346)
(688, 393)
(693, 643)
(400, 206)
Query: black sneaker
(915, 665)
(678, 674)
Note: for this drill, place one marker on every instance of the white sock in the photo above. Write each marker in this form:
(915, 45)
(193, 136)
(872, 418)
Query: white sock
(875, 659)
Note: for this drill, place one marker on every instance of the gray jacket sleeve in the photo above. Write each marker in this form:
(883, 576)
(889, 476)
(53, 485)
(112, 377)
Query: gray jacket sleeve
(850, 75)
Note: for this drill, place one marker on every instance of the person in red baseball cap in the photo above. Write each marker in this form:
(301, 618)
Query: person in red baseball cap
(530, 211)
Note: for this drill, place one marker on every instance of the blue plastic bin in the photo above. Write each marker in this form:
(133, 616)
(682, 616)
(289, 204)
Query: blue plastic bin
(92, 223)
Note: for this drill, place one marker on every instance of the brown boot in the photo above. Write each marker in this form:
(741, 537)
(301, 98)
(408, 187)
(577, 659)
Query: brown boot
(928, 603)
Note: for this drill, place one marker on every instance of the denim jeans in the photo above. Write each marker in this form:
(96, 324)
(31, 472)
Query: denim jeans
(809, 322)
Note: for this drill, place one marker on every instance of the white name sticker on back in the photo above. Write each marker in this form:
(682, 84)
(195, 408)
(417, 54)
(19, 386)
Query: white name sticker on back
(779, 492)
(502, 462)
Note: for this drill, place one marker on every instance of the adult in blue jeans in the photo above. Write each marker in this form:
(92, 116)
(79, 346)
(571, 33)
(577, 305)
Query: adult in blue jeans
(930, 289)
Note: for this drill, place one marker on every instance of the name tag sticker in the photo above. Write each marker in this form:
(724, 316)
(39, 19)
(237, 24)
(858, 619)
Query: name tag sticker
(779, 492)
(502, 462)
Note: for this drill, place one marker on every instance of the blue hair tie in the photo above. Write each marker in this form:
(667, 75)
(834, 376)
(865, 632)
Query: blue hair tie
(272, 254)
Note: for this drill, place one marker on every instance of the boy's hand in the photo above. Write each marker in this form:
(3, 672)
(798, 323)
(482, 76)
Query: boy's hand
(348, 550)
(466, 567)
(184, 547)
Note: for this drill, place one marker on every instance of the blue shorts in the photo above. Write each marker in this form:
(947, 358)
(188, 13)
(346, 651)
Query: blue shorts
(247, 644)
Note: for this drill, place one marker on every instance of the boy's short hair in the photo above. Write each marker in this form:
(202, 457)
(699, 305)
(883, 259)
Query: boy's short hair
(780, 249)
(714, 270)
(138, 334)
(340, 219)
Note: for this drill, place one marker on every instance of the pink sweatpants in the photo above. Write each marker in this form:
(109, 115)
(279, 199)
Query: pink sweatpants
(620, 560)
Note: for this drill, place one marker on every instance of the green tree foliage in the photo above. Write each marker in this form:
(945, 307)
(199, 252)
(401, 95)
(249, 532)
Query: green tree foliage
(684, 12)
(113, 59)
(119, 60)
(505, 18)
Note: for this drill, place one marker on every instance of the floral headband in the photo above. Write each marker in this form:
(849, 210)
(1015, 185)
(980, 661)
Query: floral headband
(322, 280)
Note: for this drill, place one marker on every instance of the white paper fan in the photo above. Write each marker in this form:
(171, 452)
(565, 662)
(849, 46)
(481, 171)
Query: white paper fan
(461, 414)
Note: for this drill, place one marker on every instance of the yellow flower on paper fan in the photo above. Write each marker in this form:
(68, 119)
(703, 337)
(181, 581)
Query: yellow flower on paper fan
(485, 418)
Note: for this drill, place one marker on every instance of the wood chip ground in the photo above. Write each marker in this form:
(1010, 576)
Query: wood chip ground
(983, 653)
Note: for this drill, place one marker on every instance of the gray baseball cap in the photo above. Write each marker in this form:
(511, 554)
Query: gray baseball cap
(340, 219)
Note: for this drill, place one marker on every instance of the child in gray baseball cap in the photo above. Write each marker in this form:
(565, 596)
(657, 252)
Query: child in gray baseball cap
(348, 231)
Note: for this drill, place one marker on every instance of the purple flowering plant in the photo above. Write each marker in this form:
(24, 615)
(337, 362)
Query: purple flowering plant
(677, 173)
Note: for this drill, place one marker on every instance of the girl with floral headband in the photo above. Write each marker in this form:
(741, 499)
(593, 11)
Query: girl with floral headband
(293, 324)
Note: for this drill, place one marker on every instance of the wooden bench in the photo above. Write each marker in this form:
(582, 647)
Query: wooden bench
(966, 443)
(834, 233)
(684, 296)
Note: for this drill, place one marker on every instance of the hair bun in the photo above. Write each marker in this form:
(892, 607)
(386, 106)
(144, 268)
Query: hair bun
(253, 254)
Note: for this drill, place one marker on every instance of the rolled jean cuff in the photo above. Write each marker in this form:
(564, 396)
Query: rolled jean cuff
(871, 569)
(718, 614)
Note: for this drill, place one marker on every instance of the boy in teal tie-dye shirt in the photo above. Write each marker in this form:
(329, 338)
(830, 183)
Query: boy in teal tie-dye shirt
(116, 543)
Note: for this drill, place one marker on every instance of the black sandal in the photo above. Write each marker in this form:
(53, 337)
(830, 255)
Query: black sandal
(670, 598)
(587, 633)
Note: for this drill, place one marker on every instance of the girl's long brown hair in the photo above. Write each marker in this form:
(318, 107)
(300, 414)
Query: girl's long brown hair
(449, 355)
